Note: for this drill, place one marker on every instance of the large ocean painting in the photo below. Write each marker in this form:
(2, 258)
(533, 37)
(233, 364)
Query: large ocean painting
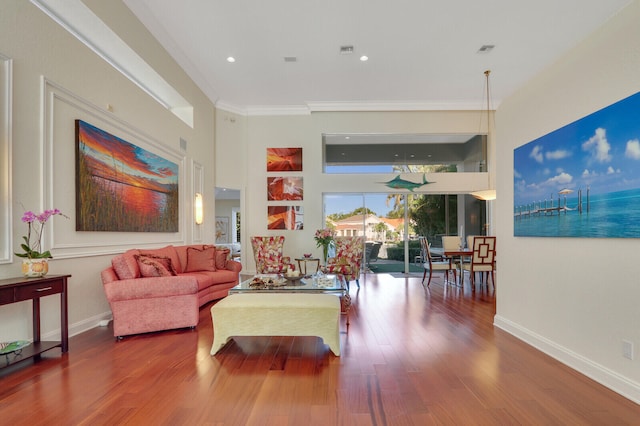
(582, 180)
(121, 187)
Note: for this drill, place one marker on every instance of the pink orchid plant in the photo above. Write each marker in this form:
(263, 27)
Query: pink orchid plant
(35, 223)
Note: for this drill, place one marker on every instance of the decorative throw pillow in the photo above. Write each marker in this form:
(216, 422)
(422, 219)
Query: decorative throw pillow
(168, 251)
(201, 259)
(222, 255)
(155, 266)
(126, 265)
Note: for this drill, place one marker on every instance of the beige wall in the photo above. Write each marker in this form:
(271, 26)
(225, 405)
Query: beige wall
(576, 299)
(306, 131)
(48, 60)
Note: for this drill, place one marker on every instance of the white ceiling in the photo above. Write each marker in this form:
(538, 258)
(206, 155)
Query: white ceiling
(423, 53)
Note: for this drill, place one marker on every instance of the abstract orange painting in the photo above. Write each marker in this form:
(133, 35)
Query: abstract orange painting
(121, 187)
(284, 188)
(284, 217)
(284, 159)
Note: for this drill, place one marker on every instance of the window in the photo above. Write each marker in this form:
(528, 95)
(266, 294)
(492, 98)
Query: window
(392, 153)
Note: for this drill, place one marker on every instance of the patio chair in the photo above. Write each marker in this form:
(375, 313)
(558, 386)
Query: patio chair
(371, 252)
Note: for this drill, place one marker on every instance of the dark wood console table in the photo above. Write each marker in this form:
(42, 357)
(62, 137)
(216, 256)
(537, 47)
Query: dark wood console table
(14, 290)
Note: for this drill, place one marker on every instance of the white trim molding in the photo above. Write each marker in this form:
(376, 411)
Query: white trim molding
(593, 370)
(6, 107)
(60, 108)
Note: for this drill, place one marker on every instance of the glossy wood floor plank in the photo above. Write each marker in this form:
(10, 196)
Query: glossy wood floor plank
(411, 356)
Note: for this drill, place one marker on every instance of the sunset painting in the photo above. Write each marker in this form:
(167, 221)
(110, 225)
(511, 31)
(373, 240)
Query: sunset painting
(284, 188)
(284, 217)
(121, 187)
(284, 159)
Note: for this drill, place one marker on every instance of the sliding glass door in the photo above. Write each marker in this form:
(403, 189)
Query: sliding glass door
(379, 218)
(391, 223)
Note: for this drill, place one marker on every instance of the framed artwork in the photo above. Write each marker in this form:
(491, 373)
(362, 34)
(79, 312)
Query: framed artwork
(582, 180)
(284, 159)
(121, 187)
(285, 217)
(284, 188)
(222, 230)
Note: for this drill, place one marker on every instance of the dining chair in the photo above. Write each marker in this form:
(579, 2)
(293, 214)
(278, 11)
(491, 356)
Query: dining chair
(482, 259)
(470, 241)
(451, 243)
(467, 259)
(432, 263)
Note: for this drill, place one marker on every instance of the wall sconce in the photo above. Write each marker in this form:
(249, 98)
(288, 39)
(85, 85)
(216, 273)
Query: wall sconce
(198, 208)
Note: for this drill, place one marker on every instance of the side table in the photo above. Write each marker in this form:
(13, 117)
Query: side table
(13, 290)
(305, 260)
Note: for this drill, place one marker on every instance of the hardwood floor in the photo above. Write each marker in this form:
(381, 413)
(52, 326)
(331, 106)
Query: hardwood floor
(410, 356)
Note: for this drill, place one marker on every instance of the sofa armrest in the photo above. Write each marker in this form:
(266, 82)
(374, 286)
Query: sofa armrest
(108, 275)
(234, 266)
(151, 287)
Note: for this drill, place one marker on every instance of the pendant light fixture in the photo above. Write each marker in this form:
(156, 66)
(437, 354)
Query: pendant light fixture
(488, 194)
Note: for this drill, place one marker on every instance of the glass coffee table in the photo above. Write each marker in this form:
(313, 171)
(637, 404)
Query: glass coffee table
(318, 283)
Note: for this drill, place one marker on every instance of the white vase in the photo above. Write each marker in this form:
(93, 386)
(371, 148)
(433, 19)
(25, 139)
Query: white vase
(32, 268)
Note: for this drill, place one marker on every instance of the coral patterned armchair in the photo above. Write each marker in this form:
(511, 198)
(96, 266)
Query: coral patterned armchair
(348, 258)
(267, 252)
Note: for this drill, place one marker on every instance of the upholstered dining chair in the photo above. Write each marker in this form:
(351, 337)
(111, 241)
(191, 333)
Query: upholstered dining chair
(470, 241)
(450, 242)
(268, 254)
(482, 258)
(435, 264)
(348, 259)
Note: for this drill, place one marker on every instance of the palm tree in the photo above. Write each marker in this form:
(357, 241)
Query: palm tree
(381, 229)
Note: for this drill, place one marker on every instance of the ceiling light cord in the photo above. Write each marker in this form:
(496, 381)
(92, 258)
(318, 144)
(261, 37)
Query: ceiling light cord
(486, 94)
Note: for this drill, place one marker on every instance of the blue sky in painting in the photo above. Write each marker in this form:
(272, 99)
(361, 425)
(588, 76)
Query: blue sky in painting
(600, 151)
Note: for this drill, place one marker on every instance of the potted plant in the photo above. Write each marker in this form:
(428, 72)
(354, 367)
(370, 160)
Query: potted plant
(324, 238)
(35, 263)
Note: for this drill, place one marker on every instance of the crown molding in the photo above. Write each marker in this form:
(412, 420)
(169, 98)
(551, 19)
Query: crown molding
(310, 107)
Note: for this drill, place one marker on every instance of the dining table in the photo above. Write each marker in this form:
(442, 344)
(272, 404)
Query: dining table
(455, 254)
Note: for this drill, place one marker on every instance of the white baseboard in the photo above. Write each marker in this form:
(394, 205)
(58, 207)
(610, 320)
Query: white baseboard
(606, 377)
(79, 327)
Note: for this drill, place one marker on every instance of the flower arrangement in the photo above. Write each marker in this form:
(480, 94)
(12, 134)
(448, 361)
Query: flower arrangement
(35, 223)
(324, 238)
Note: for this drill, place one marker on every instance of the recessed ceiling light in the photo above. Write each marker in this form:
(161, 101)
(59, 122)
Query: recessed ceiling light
(231, 59)
(486, 48)
(364, 58)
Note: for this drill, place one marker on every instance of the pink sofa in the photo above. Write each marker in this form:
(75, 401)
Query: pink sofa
(162, 289)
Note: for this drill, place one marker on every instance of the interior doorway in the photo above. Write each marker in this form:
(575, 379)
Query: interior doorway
(228, 219)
